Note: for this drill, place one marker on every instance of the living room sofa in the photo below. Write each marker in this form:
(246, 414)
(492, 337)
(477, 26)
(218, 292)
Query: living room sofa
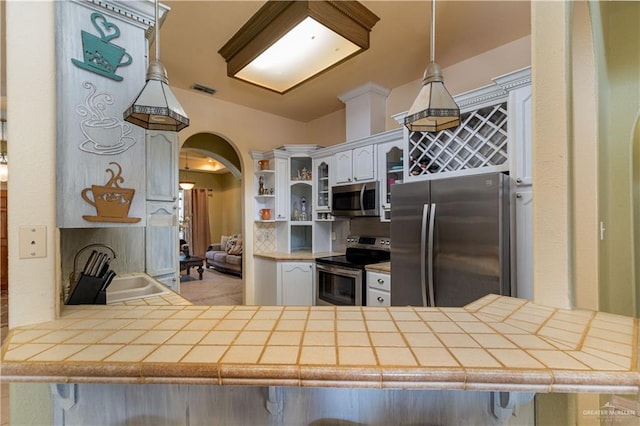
(226, 256)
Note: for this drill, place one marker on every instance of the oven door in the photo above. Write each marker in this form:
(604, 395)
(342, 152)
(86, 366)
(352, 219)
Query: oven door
(338, 286)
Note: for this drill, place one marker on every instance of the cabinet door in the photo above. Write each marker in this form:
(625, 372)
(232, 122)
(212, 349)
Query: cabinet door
(524, 244)
(296, 283)
(162, 168)
(390, 170)
(282, 189)
(364, 163)
(343, 163)
(322, 188)
(162, 240)
(520, 134)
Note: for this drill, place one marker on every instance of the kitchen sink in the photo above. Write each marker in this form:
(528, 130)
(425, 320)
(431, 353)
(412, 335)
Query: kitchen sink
(133, 286)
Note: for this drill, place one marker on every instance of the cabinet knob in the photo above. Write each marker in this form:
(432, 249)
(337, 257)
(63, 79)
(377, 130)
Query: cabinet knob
(518, 180)
(349, 179)
(518, 195)
(380, 281)
(380, 299)
(174, 198)
(175, 207)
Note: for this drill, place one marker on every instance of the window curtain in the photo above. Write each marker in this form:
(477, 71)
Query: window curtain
(200, 230)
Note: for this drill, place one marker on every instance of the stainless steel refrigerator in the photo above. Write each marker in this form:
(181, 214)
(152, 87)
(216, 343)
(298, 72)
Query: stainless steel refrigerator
(450, 240)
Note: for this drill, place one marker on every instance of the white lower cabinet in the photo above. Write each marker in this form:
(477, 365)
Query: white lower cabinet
(284, 283)
(295, 283)
(378, 289)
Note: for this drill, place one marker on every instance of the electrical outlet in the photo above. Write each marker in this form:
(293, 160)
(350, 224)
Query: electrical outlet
(333, 236)
(32, 241)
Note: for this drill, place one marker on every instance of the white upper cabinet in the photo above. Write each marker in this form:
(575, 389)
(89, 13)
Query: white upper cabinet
(390, 172)
(343, 167)
(162, 166)
(356, 165)
(520, 134)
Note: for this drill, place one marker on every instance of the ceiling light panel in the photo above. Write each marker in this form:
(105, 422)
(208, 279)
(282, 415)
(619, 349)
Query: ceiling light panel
(288, 42)
(317, 47)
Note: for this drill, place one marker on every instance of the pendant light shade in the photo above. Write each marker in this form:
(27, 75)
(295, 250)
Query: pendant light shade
(186, 184)
(156, 107)
(434, 108)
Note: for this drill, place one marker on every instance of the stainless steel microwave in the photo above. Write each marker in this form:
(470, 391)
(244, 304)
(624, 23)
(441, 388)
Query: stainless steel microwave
(358, 200)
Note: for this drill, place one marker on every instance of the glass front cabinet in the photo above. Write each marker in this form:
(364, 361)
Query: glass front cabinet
(322, 188)
(390, 170)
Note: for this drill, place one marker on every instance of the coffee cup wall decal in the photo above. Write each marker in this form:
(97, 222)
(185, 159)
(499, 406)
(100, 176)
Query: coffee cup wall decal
(99, 54)
(103, 135)
(112, 202)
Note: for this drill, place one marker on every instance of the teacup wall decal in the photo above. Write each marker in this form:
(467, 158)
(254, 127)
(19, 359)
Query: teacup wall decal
(112, 202)
(100, 55)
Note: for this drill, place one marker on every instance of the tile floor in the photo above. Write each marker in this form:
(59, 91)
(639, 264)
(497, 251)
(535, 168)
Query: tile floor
(215, 288)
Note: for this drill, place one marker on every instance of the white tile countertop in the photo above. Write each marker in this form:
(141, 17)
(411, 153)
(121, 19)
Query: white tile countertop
(496, 343)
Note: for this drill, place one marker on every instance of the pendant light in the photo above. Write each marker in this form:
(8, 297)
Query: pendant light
(156, 107)
(187, 184)
(434, 108)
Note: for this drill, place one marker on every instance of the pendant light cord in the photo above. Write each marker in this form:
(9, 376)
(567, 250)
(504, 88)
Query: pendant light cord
(433, 30)
(157, 32)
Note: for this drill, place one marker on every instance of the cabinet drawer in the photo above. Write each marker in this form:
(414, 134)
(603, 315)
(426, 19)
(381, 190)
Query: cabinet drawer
(379, 281)
(378, 298)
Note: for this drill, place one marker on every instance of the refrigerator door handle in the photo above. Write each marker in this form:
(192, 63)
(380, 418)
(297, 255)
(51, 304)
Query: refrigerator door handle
(423, 254)
(432, 220)
(364, 187)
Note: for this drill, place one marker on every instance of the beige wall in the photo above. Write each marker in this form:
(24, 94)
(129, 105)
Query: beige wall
(621, 104)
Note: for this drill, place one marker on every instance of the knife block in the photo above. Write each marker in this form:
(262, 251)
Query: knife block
(87, 291)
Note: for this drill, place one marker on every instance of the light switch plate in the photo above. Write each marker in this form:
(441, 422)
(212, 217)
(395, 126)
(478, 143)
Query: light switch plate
(33, 241)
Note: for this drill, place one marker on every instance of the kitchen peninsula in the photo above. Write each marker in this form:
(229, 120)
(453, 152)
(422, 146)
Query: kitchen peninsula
(496, 344)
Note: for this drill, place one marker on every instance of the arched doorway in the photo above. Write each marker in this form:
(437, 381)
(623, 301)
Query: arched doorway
(211, 218)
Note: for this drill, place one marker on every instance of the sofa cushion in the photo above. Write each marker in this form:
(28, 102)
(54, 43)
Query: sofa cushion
(232, 259)
(220, 256)
(209, 254)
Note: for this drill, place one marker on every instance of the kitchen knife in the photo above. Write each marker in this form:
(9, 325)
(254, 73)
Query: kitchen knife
(94, 259)
(107, 280)
(104, 267)
(94, 269)
(90, 259)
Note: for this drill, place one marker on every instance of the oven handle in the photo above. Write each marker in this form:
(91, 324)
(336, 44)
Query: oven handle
(354, 273)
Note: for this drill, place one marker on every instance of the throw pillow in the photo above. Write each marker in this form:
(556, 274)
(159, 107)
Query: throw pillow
(236, 245)
(224, 240)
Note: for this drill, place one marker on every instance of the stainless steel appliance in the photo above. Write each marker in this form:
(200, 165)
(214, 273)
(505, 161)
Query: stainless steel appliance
(450, 240)
(357, 200)
(341, 280)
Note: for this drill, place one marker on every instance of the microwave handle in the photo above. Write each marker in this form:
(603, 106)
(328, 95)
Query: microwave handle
(364, 187)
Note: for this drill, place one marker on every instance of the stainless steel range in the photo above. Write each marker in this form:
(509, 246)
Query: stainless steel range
(341, 280)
